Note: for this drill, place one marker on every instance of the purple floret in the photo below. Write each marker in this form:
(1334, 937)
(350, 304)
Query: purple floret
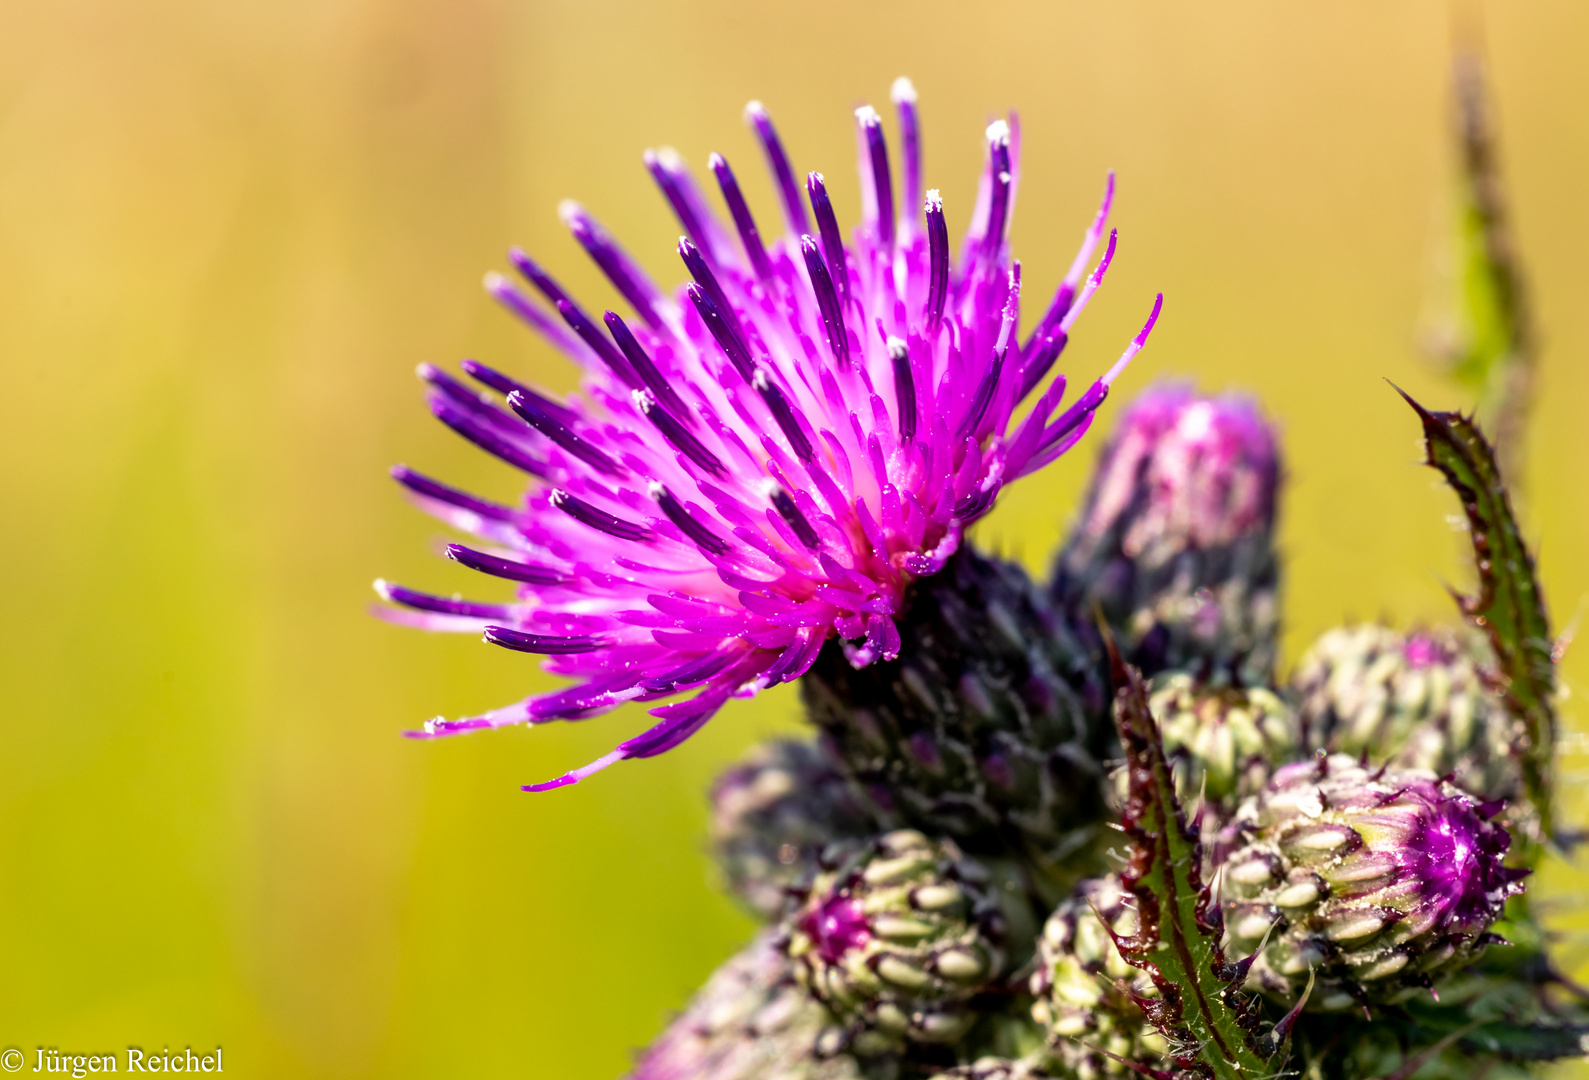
(837, 925)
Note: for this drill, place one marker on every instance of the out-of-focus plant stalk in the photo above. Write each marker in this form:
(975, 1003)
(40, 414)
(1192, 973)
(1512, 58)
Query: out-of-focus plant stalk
(1492, 348)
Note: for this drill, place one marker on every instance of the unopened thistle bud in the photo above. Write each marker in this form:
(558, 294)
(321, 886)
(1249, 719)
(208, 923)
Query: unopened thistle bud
(751, 1021)
(1222, 741)
(897, 939)
(1084, 987)
(1378, 881)
(774, 813)
(1415, 701)
(1174, 543)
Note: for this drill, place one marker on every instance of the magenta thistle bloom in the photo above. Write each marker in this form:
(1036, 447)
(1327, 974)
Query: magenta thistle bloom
(767, 458)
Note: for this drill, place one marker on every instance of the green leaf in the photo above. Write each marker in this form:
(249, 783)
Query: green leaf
(1529, 1042)
(1212, 1027)
(1511, 1038)
(1509, 606)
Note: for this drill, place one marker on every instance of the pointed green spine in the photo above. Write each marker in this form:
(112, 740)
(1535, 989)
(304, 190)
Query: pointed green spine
(1509, 606)
(1211, 1025)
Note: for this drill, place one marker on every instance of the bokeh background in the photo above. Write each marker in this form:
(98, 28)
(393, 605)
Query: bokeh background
(230, 229)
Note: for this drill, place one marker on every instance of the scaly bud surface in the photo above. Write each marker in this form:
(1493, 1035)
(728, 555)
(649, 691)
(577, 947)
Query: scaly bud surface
(990, 725)
(1084, 987)
(897, 939)
(1175, 541)
(1379, 881)
(1417, 701)
(775, 812)
(751, 1021)
(1222, 741)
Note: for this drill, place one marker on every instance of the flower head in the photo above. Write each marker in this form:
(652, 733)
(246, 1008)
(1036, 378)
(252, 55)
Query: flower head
(1221, 741)
(1382, 880)
(767, 458)
(897, 937)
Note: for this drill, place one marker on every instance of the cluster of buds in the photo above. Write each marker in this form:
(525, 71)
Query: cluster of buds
(1376, 882)
(897, 939)
(769, 477)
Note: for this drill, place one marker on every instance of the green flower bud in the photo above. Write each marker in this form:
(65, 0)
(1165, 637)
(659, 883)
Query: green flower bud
(1083, 985)
(1222, 742)
(751, 1021)
(774, 813)
(1379, 882)
(897, 939)
(1415, 702)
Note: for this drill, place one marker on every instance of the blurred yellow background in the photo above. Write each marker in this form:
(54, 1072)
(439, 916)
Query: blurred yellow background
(229, 231)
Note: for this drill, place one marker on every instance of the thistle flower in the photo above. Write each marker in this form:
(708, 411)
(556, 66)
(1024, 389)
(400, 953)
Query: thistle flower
(775, 812)
(1174, 542)
(897, 939)
(1085, 988)
(751, 1021)
(1381, 881)
(765, 460)
(1418, 701)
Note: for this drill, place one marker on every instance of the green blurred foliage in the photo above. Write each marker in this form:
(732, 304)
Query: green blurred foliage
(1487, 330)
(229, 231)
